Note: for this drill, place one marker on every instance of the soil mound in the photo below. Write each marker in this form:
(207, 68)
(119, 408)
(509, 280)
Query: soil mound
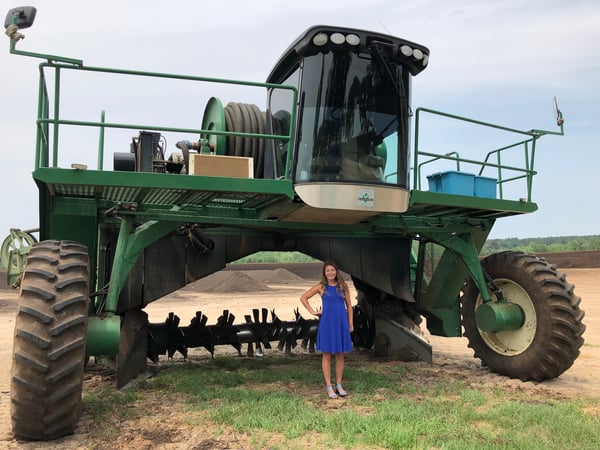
(229, 281)
(277, 276)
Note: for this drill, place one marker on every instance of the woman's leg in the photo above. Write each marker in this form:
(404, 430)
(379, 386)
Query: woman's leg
(339, 367)
(326, 366)
(339, 372)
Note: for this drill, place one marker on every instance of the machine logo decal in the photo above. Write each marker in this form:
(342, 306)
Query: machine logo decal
(366, 197)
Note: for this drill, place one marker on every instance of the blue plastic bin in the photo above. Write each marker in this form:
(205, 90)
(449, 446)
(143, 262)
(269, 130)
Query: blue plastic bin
(485, 187)
(452, 182)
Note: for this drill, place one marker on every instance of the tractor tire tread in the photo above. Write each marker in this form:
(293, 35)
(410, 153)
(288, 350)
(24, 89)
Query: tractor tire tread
(559, 319)
(49, 345)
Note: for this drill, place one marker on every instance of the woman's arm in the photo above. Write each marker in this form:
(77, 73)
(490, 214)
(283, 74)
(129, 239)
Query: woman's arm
(307, 295)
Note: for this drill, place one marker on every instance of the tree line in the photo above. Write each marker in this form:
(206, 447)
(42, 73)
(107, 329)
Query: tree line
(528, 245)
(543, 244)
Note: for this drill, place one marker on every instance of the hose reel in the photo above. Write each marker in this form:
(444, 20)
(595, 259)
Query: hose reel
(237, 118)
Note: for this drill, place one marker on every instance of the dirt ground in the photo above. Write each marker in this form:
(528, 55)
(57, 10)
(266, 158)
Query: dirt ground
(280, 290)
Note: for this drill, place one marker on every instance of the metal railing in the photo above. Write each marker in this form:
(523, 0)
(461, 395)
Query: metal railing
(504, 173)
(49, 120)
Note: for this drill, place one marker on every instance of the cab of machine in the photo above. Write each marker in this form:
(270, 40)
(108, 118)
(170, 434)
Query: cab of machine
(352, 126)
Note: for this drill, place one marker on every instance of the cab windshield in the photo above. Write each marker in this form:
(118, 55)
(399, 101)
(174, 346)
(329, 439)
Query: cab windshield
(354, 120)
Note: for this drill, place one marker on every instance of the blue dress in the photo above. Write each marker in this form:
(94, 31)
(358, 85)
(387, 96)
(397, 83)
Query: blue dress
(333, 334)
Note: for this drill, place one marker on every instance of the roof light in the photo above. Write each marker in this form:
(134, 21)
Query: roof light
(320, 39)
(406, 50)
(352, 39)
(425, 60)
(418, 54)
(338, 38)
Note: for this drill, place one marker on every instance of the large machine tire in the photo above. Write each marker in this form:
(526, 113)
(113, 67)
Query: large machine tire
(548, 342)
(364, 322)
(49, 343)
(364, 315)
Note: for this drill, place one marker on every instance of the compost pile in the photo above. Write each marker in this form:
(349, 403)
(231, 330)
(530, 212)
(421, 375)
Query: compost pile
(247, 281)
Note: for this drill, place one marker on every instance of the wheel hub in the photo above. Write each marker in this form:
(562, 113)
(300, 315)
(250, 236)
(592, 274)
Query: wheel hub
(513, 341)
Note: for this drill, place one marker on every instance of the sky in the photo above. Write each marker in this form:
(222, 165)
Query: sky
(498, 61)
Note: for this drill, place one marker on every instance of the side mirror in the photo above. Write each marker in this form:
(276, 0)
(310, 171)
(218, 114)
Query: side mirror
(22, 17)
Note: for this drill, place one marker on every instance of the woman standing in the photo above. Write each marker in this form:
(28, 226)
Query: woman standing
(335, 325)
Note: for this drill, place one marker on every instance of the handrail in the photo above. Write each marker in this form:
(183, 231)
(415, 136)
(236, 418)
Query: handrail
(438, 157)
(529, 145)
(45, 120)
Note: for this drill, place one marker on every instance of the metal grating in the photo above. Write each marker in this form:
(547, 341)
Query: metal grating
(162, 196)
(436, 211)
(73, 190)
(199, 198)
(120, 194)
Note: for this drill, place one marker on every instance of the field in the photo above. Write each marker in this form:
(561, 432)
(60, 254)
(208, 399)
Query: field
(164, 422)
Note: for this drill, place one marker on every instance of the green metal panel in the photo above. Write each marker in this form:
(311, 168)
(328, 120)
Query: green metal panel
(129, 247)
(439, 300)
(103, 336)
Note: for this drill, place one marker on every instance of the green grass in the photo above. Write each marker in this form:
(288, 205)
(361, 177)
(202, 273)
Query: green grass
(392, 405)
(104, 401)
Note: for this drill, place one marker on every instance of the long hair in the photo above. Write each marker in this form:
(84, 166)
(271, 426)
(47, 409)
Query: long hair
(341, 284)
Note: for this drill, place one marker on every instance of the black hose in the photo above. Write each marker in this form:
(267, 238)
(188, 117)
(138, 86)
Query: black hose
(246, 118)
